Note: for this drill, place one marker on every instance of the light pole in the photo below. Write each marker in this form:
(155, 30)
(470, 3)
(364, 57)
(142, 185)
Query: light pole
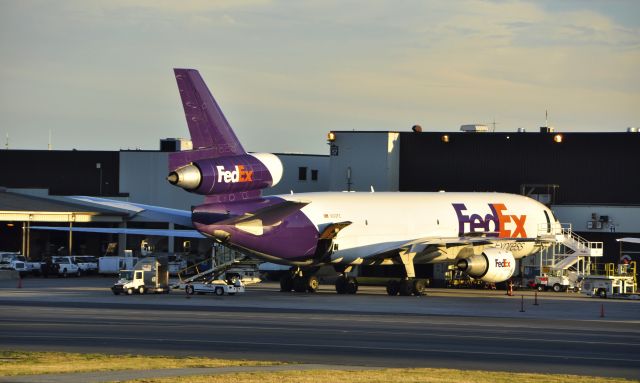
(99, 167)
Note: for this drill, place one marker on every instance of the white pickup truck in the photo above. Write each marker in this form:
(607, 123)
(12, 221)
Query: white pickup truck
(87, 263)
(13, 261)
(64, 266)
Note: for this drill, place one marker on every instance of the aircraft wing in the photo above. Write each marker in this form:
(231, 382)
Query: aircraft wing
(155, 213)
(419, 245)
(132, 231)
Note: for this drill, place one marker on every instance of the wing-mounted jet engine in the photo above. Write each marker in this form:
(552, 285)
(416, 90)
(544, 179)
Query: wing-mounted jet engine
(493, 265)
(228, 174)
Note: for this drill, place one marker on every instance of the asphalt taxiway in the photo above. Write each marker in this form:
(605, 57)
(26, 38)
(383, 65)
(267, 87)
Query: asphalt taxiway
(468, 329)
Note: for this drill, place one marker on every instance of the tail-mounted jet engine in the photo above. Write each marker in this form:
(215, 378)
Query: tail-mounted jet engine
(228, 174)
(493, 265)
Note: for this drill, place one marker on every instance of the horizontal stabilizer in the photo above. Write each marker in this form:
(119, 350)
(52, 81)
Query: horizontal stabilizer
(116, 230)
(269, 215)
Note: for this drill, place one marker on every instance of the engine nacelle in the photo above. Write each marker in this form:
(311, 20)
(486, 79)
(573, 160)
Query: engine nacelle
(493, 265)
(228, 174)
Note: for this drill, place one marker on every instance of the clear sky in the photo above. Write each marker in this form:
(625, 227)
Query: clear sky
(99, 73)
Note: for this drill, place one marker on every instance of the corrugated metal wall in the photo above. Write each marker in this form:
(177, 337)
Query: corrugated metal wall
(593, 168)
(63, 172)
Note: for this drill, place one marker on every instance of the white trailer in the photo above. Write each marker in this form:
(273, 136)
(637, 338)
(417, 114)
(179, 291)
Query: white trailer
(113, 264)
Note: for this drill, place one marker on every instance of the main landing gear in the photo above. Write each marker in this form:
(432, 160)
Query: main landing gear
(406, 287)
(346, 285)
(409, 285)
(299, 282)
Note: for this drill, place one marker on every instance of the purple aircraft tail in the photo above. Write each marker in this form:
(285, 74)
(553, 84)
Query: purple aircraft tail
(211, 133)
(218, 166)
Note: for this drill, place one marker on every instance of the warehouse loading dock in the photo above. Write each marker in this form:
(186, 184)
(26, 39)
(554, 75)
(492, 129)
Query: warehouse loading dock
(18, 212)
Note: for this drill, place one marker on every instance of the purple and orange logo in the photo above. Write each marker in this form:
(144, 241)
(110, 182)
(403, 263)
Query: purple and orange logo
(239, 174)
(496, 224)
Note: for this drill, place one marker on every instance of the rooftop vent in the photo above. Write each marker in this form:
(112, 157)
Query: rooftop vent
(474, 128)
(416, 128)
(175, 144)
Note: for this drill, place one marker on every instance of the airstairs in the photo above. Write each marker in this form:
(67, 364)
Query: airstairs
(568, 252)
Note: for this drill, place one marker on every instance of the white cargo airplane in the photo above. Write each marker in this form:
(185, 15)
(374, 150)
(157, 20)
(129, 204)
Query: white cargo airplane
(482, 233)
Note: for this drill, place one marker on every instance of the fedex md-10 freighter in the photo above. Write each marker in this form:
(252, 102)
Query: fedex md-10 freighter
(482, 233)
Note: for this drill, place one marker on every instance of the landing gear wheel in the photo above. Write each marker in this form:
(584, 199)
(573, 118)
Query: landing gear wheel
(129, 291)
(313, 284)
(189, 290)
(286, 283)
(352, 285)
(341, 285)
(419, 287)
(540, 288)
(141, 290)
(300, 284)
(557, 288)
(219, 291)
(393, 287)
(406, 287)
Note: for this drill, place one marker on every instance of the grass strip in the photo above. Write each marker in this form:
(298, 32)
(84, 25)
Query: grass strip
(31, 363)
(413, 375)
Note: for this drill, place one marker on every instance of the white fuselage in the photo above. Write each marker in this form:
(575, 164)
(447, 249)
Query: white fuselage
(382, 220)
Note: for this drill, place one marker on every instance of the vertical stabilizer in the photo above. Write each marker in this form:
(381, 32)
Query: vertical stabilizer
(208, 127)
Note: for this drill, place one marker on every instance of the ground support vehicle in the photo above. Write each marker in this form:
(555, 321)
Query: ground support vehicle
(555, 283)
(217, 287)
(609, 286)
(149, 276)
(617, 282)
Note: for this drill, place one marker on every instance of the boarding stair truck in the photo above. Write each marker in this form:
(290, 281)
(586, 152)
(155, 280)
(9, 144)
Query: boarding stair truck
(226, 268)
(613, 283)
(150, 275)
(565, 264)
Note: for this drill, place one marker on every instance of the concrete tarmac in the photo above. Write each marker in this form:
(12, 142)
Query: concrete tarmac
(467, 329)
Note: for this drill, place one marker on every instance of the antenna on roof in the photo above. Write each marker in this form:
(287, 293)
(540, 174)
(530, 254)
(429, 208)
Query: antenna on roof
(6, 143)
(546, 117)
(49, 146)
